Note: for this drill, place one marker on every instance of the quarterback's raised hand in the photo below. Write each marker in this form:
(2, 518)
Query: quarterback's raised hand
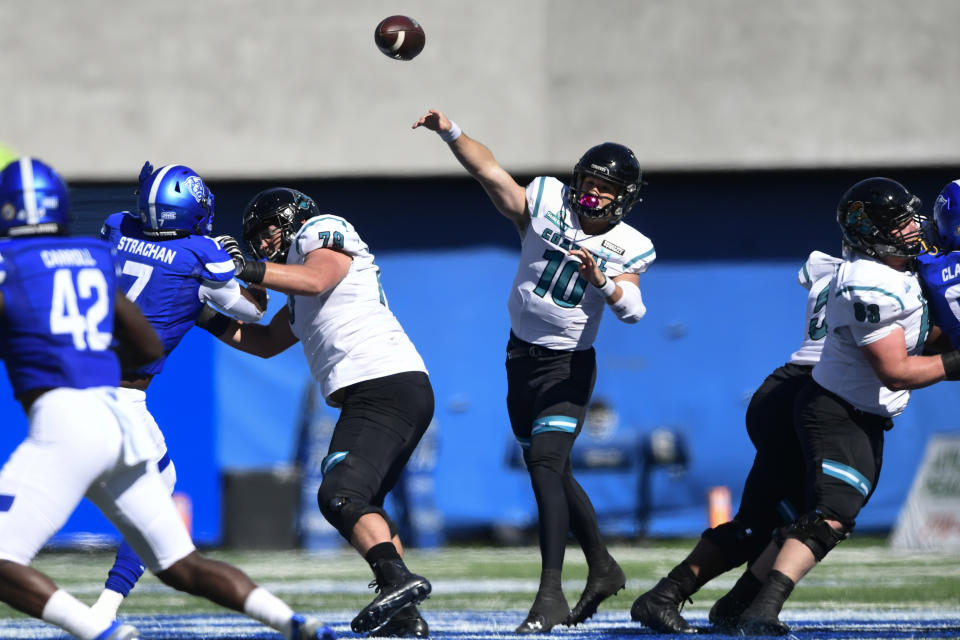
(232, 247)
(434, 121)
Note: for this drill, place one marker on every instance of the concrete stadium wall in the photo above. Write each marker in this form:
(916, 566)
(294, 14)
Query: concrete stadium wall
(248, 88)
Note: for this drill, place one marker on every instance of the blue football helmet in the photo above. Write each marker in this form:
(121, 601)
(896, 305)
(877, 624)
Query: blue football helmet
(33, 200)
(946, 213)
(615, 164)
(174, 202)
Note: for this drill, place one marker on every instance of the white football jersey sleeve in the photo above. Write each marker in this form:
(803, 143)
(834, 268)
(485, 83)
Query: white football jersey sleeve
(815, 276)
(348, 333)
(550, 304)
(869, 300)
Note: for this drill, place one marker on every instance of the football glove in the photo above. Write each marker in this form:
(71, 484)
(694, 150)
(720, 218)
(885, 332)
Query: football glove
(232, 247)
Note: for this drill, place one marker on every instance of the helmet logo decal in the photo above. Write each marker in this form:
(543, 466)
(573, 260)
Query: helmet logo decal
(197, 189)
(856, 216)
(8, 212)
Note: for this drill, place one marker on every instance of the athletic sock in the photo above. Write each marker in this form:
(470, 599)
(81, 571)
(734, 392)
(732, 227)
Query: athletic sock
(263, 606)
(74, 617)
(126, 570)
(108, 603)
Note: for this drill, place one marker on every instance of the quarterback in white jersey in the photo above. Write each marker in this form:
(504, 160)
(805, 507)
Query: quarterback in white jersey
(366, 366)
(876, 324)
(551, 305)
(576, 258)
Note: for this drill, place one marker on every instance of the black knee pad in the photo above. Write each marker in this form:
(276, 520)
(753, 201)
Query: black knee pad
(738, 542)
(343, 498)
(812, 530)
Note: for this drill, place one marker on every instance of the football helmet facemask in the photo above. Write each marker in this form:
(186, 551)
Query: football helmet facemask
(613, 163)
(33, 200)
(286, 209)
(174, 202)
(872, 214)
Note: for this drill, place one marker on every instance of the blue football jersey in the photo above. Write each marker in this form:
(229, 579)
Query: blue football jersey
(57, 325)
(940, 276)
(164, 277)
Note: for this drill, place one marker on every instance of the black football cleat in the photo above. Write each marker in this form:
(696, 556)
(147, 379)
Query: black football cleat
(549, 609)
(725, 615)
(725, 612)
(407, 623)
(660, 607)
(391, 598)
(602, 583)
(762, 617)
(762, 626)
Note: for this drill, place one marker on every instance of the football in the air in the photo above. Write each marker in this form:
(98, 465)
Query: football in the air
(399, 37)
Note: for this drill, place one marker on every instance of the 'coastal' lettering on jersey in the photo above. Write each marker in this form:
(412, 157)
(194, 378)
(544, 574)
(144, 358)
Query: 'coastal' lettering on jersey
(147, 249)
(54, 258)
(950, 272)
(557, 219)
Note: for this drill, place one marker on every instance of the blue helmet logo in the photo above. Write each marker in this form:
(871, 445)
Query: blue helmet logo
(946, 213)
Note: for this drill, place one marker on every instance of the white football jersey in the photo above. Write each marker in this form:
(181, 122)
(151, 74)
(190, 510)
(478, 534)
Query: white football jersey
(815, 276)
(348, 333)
(867, 301)
(550, 304)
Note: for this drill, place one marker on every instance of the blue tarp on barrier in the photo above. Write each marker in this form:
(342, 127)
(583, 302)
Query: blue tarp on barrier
(713, 331)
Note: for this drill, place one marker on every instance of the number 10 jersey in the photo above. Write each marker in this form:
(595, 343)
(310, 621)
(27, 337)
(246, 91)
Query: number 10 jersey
(550, 304)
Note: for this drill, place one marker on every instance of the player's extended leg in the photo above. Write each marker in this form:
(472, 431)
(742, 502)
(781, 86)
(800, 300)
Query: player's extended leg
(546, 457)
(843, 450)
(773, 483)
(547, 395)
(380, 424)
(138, 503)
(73, 440)
(604, 576)
(127, 568)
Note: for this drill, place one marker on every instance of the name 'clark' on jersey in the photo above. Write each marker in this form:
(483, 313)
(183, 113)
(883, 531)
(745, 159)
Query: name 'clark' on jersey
(165, 277)
(57, 325)
(348, 333)
(815, 276)
(550, 304)
(868, 300)
(940, 275)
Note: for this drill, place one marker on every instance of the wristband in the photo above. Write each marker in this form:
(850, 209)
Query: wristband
(209, 320)
(452, 134)
(951, 364)
(253, 272)
(608, 287)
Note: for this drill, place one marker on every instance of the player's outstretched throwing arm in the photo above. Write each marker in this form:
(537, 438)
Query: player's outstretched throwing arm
(506, 194)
